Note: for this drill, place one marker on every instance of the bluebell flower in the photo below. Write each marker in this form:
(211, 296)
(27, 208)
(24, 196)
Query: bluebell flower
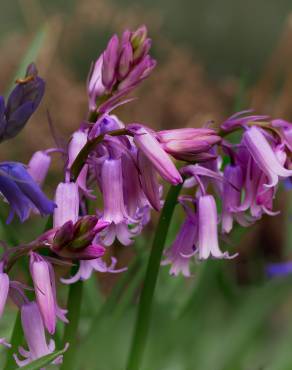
(21, 192)
(279, 269)
(21, 104)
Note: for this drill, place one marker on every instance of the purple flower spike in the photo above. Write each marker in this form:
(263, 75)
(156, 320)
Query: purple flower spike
(110, 60)
(183, 248)
(21, 192)
(34, 333)
(265, 157)
(208, 245)
(40, 273)
(148, 144)
(67, 200)
(4, 289)
(38, 166)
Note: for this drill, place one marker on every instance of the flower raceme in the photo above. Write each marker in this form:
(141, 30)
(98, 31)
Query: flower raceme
(121, 166)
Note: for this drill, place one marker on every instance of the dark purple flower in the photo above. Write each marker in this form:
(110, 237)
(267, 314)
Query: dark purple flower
(22, 103)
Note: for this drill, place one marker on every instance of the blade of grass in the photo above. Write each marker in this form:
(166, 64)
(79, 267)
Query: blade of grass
(30, 55)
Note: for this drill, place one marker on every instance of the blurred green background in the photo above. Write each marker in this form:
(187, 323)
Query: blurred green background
(215, 57)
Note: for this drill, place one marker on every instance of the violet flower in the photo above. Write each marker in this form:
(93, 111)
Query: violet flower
(34, 333)
(21, 192)
(22, 103)
(264, 155)
(208, 245)
(231, 197)
(183, 248)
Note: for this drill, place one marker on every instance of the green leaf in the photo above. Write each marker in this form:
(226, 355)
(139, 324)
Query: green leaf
(30, 55)
(43, 361)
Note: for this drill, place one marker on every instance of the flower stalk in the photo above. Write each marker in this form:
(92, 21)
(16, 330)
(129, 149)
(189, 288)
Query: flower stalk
(146, 299)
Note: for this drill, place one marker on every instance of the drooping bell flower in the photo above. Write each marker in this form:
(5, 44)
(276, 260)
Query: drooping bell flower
(112, 190)
(258, 198)
(4, 289)
(149, 181)
(34, 333)
(22, 103)
(183, 248)
(264, 155)
(67, 201)
(231, 197)
(21, 192)
(149, 145)
(38, 166)
(40, 274)
(208, 245)
(188, 143)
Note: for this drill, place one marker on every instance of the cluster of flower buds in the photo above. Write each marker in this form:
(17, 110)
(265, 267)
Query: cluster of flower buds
(120, 68)
(122, 165)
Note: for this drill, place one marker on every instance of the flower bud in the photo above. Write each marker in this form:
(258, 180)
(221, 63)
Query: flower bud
(110, 60)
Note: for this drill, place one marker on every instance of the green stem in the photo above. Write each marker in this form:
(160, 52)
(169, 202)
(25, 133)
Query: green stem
(70, 333)
(146, 299)
(15, 341)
